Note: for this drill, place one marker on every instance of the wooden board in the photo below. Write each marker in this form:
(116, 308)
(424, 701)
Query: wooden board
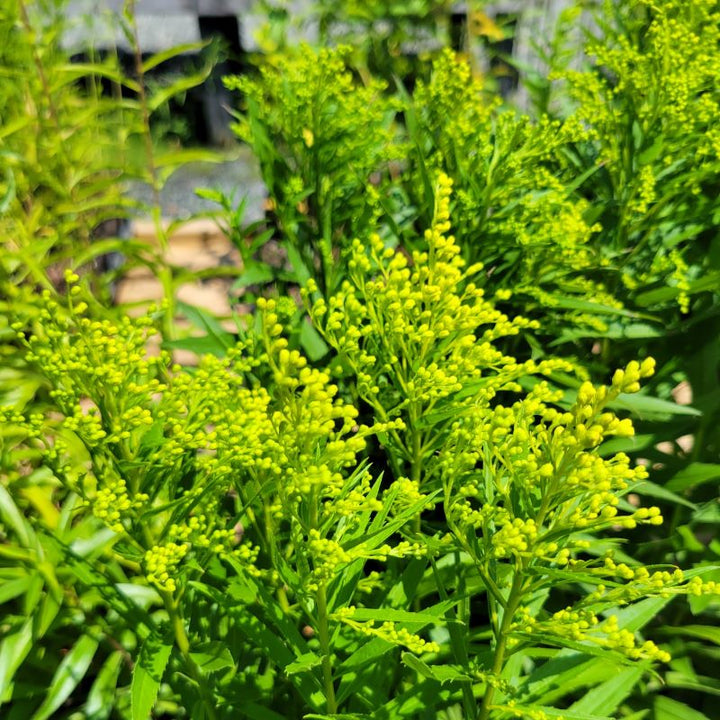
(166, 7)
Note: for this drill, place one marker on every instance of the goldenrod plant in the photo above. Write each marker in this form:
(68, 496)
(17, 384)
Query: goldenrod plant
(254, 548)
(70, 147)
(649, 99)
(516, 206)
(320, 135)
(426, 480)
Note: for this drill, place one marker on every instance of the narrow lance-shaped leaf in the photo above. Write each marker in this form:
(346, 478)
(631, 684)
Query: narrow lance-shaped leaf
(147, 676)
(68, 676)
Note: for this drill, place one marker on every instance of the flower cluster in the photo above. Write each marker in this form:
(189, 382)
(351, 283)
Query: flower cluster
(198, 535)
(388, 631)
(513, 709)
(514, 194)
(161, 563)
(583, 625)
(545, 459)
(528, 482)
(417, 331)
(112, 503)
(650, 99)
(331, 134)
(185, 455)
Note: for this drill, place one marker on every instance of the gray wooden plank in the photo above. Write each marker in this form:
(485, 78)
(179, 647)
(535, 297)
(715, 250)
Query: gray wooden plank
(164, 7)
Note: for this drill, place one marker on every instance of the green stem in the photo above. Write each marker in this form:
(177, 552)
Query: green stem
(324, 637)
(415, 473)
(490, 585)
(182, 643)
(165, 274)
(416, 466)
(323, 622)
(513, 601)
(463, 617)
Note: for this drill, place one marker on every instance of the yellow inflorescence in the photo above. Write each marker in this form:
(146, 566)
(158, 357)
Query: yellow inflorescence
(508, 198)
(418, 330)
(161, 564)
(388, 631)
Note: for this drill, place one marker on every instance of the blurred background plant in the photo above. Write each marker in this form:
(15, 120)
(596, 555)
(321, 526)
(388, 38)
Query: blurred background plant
(321, 137)
(73, 136)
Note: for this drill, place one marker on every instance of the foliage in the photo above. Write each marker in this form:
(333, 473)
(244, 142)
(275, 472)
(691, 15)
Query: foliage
(58, 183)
(250, 510)
(517, 210)
(389, 39)
(319, 136)
(650, 99)
(69, 148)
(415, 483)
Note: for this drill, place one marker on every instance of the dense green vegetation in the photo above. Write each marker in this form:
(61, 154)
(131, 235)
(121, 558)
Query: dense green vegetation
(438, 469)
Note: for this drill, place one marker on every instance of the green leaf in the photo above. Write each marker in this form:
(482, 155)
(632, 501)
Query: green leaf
(13, 650)
(636, 616)
(206, 345)
(143, 596)
(86, 546)
(414, 702)
(440, 673)
(367, 652)
(304, 663)
(587, 648)
(147, 676)
(134, 248)
(185, 83)
(608, 696)
(18, 387)
(700, 683)
(635, 331)
(14, 519)
(9, 194)
(564, 673)
(160, 57)
(312, 343)
(212, 656)
(13, 588)
(661, 493)
(668, 709)
(572, 303)
(630, 444)
(170, 162)
(71, 72)
(709, 281)
(254, 274)
(68, 675)
(205, 321)
(690, 541)
(101, 698)
(302, 274)
(646, 405)
(704, 632)
(564, 714)
(402, 616)
(693, 475)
